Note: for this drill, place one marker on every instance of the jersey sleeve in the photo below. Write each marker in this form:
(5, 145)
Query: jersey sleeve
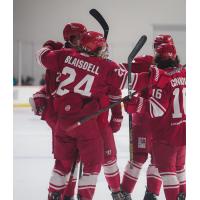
(140, 81)
(137, 67)
(118, 77)
(48, 58)
(41, 93)
(156, 105)
(115, 95)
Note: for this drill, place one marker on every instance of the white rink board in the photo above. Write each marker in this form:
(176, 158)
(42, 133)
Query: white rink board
(21, 94)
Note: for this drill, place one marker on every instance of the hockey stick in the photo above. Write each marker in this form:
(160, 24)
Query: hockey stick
(79, 176)
(95, 114)
(131, 56)
(105, 27)
(101, 21)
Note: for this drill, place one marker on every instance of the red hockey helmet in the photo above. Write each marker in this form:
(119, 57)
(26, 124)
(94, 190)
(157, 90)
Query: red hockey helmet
(160, 39)
(73, 29)
(166, 51)
(92, 41)
(146, 59)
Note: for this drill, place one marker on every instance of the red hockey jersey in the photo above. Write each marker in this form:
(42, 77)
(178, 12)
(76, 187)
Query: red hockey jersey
(166, 106)
(84, 76)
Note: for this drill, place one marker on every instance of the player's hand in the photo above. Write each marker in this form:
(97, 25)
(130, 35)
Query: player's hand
(115, 123)
(131, 106)
(38, 105)
(53, 45)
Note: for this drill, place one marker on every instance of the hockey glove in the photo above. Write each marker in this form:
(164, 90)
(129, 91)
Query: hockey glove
(135, 105)
(115, 123)
(53, 45)
(38, 103)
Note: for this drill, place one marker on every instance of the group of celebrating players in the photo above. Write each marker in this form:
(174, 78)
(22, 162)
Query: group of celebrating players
(81, 80)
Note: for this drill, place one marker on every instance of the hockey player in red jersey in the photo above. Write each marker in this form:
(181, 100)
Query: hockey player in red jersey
(142, 140)
(142, 136)
(42, 103)
(111, 170)
(110, 167)
(166, 106)
(85, 78)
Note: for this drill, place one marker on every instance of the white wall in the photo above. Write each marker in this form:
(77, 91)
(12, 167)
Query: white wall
(36, 21)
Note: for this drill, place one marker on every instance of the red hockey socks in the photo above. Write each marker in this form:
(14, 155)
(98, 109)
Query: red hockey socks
(131, 175)
(154, 180)
(170, 185)
(111, 172)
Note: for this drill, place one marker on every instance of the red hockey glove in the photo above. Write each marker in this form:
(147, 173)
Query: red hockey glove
(53, 45)
(115, 123)
(38, 103)
(135, 105)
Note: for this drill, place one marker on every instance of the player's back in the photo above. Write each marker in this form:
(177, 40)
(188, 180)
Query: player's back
(171, 126)
(83, 78)
(52, 80)
(83, 74)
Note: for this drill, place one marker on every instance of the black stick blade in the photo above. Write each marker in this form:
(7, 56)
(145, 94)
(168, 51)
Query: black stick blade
(137, 48)
(95, 13)
(131, 56)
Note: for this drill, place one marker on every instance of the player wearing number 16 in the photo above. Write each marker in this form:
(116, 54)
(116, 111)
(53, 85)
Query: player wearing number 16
(166, 106)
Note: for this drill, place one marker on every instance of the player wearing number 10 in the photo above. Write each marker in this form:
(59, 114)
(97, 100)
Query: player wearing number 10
(166, 106)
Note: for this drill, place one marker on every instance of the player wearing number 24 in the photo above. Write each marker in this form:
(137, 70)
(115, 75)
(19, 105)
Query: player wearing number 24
(166, 106)
(85, 77)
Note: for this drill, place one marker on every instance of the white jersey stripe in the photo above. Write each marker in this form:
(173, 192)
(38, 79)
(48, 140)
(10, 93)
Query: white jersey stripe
(86, 180)
(39, 55)
(111, 169)
(156, 102)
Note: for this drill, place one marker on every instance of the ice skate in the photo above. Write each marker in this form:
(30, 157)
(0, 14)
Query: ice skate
(181, 196)
(68, 198)
(127, 196)
(54, 196)
(117, 196)
(149, 196)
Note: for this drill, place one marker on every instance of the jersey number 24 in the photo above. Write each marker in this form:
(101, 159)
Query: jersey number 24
(83, 87)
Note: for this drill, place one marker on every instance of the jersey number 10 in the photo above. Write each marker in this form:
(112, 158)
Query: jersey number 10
(177, 107)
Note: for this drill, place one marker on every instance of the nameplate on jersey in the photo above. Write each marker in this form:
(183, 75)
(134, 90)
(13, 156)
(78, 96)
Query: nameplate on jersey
(81, 64)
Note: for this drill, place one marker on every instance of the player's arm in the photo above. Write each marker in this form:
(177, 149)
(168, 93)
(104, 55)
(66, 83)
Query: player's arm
(118, 77)
(153, 78)
(116, 111)
(38, 101)
(48, 55)
(155, 106)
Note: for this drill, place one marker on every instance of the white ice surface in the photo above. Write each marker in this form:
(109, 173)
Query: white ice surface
(33, 160)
